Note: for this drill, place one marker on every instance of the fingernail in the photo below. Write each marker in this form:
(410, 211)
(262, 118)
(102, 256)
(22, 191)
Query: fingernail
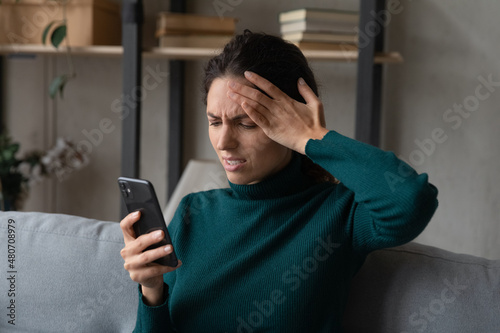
(135, 214)
(232, 84)
(168, 248)
(248, 74)
(157, 234)
(302, 82)
(231, 94)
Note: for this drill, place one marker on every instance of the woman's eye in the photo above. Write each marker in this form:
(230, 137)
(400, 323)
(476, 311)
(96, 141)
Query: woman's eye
(245, 126)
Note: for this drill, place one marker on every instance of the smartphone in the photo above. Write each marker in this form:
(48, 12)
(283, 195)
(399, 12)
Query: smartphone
(139, 195)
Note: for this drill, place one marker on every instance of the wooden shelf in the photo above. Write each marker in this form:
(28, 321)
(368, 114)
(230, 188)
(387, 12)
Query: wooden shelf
(349, 56)
(186, 53)
(181, 53)
(14, 49)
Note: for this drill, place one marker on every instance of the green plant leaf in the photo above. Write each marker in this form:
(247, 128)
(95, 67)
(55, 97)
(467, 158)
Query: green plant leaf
(58, 35)
(7, 155)
(9, 152)
(57, 85)
(46, 31)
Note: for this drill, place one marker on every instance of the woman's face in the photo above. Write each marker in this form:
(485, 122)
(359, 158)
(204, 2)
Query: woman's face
(245, 151)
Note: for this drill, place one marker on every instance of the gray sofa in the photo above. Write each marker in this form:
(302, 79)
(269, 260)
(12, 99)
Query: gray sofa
(67, 276)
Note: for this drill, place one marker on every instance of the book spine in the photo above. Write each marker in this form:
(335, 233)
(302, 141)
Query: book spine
(316, 14)
(207, 41)
(173, 23)
(323, 26)
(320, 37)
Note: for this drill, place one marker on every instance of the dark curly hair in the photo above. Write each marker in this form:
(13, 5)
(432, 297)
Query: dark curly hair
(279, 61)
(271, 57)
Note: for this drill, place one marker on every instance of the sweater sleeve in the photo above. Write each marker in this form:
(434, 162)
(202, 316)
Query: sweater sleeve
(392, 203)
(153, 318)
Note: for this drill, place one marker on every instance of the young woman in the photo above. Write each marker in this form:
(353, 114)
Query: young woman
(276, 251)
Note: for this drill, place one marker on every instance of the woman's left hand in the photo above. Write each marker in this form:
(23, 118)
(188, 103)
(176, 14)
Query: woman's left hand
(283, 119)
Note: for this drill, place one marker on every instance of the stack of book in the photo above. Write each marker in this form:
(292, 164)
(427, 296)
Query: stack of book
(320, 29)
(189, 30)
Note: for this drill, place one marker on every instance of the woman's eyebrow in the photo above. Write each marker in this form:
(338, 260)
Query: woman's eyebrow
(238, 117)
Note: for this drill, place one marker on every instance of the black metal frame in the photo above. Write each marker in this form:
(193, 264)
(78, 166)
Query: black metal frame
(176, 107)
(132, 20)
(2, 101)
(368, 101)
(369, 80)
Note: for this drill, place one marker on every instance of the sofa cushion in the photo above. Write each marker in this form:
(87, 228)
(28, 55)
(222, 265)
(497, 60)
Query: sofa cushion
(67, 275)
(418, 288)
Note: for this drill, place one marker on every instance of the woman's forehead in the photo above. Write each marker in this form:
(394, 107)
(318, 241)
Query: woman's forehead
(219, 104)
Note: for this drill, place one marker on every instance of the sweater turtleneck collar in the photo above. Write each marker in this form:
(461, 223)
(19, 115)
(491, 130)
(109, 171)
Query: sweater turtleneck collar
(287, 181)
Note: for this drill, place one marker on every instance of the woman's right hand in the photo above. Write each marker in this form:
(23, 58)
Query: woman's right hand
(140, 264)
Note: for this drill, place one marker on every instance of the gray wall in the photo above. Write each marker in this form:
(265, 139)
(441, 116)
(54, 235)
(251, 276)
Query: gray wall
(449, 47)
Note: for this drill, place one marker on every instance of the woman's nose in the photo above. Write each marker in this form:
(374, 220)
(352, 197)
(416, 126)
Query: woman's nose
(227, 139)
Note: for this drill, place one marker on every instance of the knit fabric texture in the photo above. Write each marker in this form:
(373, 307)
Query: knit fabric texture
(279, 255)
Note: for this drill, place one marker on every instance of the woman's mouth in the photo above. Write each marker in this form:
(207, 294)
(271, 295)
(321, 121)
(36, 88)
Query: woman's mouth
(233, 164)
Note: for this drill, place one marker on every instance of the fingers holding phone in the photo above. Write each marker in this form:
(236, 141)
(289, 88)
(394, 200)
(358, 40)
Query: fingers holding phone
(148, 251)
(140, 198)
(127, 226)
(139, 262)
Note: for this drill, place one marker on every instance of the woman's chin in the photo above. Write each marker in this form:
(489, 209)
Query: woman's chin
(240, 179)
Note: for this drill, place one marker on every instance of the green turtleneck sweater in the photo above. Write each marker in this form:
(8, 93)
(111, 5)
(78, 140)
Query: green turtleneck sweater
(278, 256)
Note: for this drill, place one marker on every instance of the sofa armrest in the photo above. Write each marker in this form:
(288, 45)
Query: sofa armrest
(199, 175)
(67, 275)
(419, 288)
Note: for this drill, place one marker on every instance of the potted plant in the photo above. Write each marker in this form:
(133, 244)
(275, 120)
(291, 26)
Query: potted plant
(11, 180)
(56, 33)
(17, 175)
